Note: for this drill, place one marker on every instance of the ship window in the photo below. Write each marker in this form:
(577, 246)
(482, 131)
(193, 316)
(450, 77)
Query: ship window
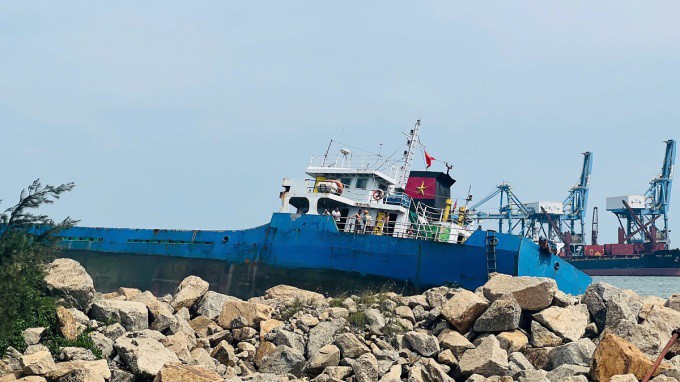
(382, 187)
(346, 181)
(361, 183)
(225, 238)
(557, 265)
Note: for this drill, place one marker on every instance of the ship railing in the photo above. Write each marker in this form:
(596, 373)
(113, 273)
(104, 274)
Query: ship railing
(411, 230)
(364, 196)
(358, 162)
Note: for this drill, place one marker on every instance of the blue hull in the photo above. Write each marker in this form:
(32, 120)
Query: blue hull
(313, 242)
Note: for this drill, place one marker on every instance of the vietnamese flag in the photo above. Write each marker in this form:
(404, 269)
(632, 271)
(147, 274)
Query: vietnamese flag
(421, 187)
(428, 159)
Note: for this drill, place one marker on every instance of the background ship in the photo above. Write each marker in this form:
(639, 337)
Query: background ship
(363, 216)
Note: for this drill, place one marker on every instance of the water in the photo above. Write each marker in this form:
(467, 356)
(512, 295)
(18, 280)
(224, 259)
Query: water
(660, 286)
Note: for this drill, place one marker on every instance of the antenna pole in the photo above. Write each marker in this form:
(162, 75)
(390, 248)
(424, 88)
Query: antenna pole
(413, 140)
(326, 155)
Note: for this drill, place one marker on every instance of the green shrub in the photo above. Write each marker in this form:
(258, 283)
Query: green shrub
(357, 319)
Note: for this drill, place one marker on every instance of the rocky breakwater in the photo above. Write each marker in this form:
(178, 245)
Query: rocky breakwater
(511, 329)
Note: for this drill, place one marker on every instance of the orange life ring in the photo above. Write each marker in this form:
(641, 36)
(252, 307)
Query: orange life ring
(378, 194)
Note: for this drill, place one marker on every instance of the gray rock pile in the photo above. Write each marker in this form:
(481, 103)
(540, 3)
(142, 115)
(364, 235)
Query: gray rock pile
(511, 329)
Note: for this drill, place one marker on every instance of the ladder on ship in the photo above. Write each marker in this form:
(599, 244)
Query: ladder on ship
(491, 242)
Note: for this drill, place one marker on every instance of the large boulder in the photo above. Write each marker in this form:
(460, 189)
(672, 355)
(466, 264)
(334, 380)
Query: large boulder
(422, 343)
(365, 368)
(132, 315)
(69, 327)
(144, 356)
(614, 356)
(186, 373)
(211, 304)
(502, 315)
(596, 297)
(38, 363)
(454, 341)
(531, 293)
(288, 294)
(663, 321)
(513, 341)
(328, 355)
(290, 339)
(673, 302)
(487, 359)
(283, 360)
(375, 320)
(159, 313)
(569, 323)
(32, 335)
(323, 334)
(252, 312)
(98, 368)
(463, 309)
(573, 353)
(542, 337)
(70, 283)
(647, 339)
(625, 305)
(188, 292)
(350, 346)
(224, 354)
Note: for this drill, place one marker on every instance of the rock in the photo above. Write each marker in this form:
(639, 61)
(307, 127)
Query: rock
(393, 375)
(365, 368)
(375, 320)
(263, 351)
(32, 335)
(76, 354)
(624, 378)
(84, 375)
(673, 302)
(12, 359)
(160, 314)
(648, 303)
(454, 341)
(328, 355)
(569, 323)
(283, 360)
(186, 373)
(68, 326)
(267, 326)
(614, 356)
(94, 368)
(446, 357)
(224, 354)
(31, 349)
(189, 291)
(68, 280)
(289, 294)
(622, 306)
(113, 331)
(306, 320)
(642, 337)
(211, 304)
(563, 300)
(513, 341)
(502, 315)
(143, 355)
(203, 326)
(565, 371)
(487, 359)
(37, 363)
(663, 321)
(595, 298)
(338, 372)
(132, 315)
(534, 376)
(350, 346)
(518, 362)
(538, 357)
(248, 348)
(323, 334)
(424, 344)
(405, 312)
(463, 309)
(542, 337)
(573, 353)
(180, 344)
(435, 371)
(103, 343)
(290, 339)
(531, 293)
(253, 313)
(476, 378)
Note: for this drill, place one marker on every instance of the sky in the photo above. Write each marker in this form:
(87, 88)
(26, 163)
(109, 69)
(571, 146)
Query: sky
(188, 115)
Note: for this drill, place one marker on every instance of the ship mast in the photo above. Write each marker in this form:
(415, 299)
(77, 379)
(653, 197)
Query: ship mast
(412, 141)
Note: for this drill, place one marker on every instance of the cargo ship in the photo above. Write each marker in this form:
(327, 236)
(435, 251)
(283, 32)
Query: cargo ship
(356, 215)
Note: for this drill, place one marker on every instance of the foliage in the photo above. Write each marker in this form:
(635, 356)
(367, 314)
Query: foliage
(358, 319)
(26, 247)
(291, 309)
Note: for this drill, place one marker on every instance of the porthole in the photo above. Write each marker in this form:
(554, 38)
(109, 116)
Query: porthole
(225, 238)
(557, 265)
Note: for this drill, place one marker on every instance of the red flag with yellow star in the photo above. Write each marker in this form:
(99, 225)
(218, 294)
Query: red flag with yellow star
(421, 188)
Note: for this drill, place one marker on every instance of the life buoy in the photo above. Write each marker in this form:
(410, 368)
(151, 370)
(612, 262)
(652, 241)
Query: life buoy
(378, 194)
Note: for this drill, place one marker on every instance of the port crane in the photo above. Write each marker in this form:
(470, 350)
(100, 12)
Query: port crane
(638, 214)
(511, 211)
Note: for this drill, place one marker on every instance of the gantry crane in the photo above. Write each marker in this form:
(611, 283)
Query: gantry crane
(638, 214)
